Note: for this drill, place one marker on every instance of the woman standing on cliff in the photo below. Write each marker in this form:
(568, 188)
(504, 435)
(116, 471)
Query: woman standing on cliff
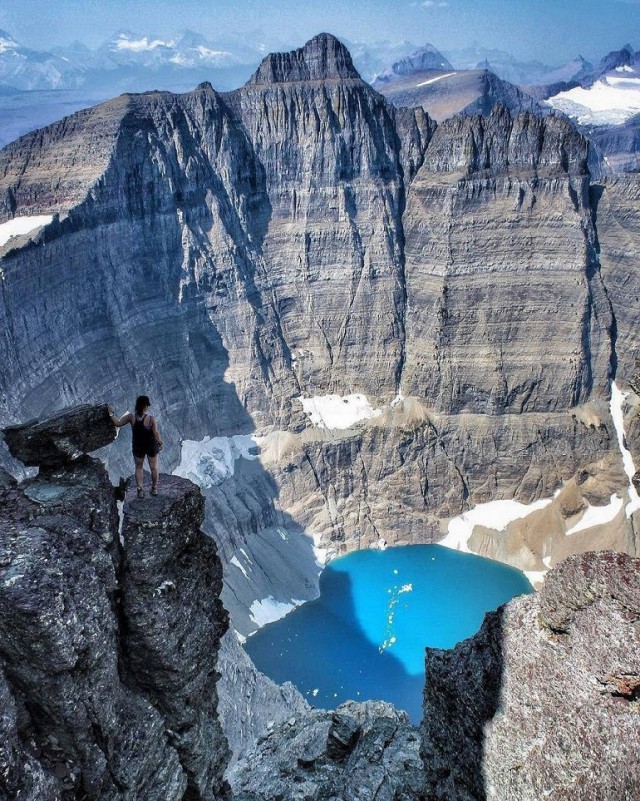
(146, 441)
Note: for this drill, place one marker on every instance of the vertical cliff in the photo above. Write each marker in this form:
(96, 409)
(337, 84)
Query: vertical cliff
(543, 701)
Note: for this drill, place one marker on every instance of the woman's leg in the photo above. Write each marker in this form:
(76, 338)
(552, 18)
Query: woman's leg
(139, 473)
(153, 464)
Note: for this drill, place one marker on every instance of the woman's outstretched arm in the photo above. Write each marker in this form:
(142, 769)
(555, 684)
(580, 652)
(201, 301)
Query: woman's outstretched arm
(119, 421)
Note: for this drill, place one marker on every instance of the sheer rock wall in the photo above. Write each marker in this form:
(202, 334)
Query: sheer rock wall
(228, 253)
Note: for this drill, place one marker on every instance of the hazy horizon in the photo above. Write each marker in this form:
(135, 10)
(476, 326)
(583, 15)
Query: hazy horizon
(529, 29)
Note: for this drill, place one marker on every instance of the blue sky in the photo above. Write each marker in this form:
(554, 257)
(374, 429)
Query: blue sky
(550, 30)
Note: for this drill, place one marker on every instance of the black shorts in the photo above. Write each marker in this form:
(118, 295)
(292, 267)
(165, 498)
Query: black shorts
(150, 450)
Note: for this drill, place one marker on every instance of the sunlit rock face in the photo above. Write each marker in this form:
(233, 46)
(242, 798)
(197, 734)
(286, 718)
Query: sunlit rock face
(298, 238)
(542, 702)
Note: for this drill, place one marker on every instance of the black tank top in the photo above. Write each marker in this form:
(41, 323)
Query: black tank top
(142, 438)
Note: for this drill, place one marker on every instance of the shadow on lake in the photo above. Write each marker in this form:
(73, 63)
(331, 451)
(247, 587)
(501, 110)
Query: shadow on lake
(323, 650)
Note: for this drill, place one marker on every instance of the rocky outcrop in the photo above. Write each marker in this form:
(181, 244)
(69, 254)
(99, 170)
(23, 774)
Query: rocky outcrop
(103, 697)
(360, 751)
(542, 702)
(170, 582)
(324, 58)
(62, 438)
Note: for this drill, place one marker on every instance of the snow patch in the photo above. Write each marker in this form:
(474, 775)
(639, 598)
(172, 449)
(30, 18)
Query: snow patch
(611, 101)
(437, 78)
(336, 412)
(625, 68)
(597, 515)
(235, 561)
(493, 514)
(140, 45)
(535, 577)
(7, 44)
(322, 555)
(211, 461)
(20, 226)
(268, 610)
(207, 52)
(617, 401)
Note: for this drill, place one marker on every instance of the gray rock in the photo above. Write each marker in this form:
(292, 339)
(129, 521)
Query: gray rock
(110, 686)
(61, 438)
(322, 58)
(542, 702)
(249, 703)
(170, 584)
(60, 644)
(343, 735)
(6, 479)
(21, 775)
(360, 751)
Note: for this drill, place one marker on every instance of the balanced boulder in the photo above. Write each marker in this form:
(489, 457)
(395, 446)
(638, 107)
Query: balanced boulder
(62, 438)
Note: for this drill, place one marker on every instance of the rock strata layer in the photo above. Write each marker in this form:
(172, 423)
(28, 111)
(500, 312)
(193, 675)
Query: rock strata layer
(543, 701)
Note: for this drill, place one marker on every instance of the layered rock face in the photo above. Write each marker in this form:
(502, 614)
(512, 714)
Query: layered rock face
(109, 641)
(300, 237)
(543, 701)
(616, 209)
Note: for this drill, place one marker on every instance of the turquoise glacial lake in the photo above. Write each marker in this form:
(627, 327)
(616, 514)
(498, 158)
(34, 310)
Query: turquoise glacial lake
(364, 637)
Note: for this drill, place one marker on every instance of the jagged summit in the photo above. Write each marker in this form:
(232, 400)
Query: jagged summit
(322, 58)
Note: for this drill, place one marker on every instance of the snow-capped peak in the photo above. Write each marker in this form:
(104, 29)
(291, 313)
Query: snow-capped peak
(7, 42)
(126, 42)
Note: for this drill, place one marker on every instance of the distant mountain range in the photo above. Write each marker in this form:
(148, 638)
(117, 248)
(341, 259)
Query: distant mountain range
(607, 95)
(127, 62)
(130, 61)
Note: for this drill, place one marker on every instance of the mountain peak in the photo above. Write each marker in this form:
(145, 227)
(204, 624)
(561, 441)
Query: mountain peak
(322, 58)
(422, 60)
